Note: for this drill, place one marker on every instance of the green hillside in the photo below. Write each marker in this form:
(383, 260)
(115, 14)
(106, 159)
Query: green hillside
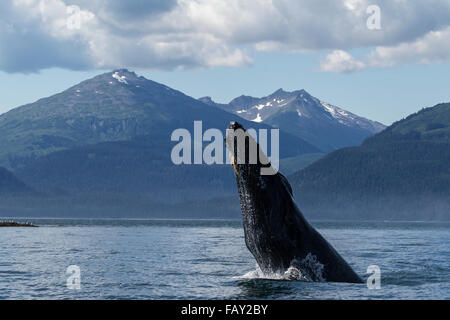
(400, 173)
(429, 124)
(293, 164)
(138, 167)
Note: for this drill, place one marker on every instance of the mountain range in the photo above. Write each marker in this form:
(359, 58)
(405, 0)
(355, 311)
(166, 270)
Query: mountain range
(115, 106)
(323, 125)
(111, 134)
(102, 148)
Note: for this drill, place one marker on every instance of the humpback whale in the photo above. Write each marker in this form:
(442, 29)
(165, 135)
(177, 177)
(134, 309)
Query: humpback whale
(276, 232)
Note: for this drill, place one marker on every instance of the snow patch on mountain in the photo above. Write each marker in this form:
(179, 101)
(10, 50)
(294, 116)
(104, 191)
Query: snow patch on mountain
(351, 120)
(329, 108)
(342, 116)
(121, 79)
(258, 118)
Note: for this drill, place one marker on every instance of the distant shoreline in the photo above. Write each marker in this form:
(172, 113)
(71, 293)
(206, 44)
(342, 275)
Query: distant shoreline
(16, 224)
(217, 219)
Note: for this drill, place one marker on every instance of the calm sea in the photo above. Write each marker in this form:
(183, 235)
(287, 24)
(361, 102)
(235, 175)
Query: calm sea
(195, 259)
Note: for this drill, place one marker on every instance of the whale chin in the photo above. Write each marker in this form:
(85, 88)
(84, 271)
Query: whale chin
(276, 232)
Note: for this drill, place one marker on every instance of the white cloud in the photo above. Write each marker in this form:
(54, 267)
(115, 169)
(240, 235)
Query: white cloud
(341, 61)
(168, 34)
(433, 47)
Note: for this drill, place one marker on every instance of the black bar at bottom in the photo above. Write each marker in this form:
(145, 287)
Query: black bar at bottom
(223, 309)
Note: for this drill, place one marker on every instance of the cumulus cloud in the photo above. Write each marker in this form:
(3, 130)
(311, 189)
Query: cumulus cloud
(169, 34)
(433, 47)
(341, 61)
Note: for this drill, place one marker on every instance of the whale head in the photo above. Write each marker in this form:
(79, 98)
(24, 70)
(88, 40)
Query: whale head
(266, 202)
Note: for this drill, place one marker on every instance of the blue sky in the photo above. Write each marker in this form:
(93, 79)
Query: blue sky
(227, 48)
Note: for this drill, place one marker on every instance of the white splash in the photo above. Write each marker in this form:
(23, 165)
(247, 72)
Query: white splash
(308, 269)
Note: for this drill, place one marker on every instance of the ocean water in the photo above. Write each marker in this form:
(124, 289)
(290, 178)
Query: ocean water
(199, 259)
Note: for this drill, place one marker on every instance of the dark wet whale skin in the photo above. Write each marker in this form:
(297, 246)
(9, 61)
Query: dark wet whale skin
(276, 232)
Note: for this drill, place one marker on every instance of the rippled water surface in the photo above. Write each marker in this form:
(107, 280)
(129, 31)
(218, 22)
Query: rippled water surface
(159, 259)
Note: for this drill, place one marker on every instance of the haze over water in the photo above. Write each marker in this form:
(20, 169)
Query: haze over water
(203, 259)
